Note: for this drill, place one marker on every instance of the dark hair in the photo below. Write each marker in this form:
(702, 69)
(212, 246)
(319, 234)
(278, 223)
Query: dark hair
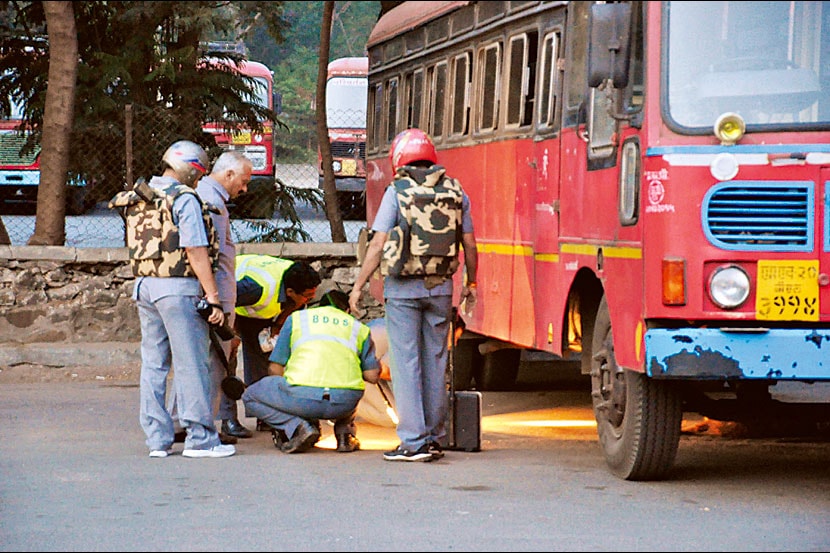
(301, 277)
(336, 298)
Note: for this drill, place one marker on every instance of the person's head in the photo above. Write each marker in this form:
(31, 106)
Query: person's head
(335, 298)
(412, 147)
(187, 160)
(301, 282)
(233, 171)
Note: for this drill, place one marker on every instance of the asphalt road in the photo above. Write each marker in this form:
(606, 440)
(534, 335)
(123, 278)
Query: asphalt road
(75, 476)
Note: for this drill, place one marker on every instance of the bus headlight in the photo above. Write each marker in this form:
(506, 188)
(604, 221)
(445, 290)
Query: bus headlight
(729, 286)
(335, 166)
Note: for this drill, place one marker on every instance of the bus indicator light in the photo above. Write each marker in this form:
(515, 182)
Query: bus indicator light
(674, 281)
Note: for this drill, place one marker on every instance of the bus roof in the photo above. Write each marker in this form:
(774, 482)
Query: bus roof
(408, 16)
(246, 67)
(346, 67)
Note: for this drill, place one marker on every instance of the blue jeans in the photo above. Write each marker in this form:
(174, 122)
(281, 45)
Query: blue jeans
(283, 406)
(186, 349)
(418, 331)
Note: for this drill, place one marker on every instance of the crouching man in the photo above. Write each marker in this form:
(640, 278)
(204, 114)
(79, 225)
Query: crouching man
(318, 369)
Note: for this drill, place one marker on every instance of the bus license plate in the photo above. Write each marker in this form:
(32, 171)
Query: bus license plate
(787, 291)
(349, 167)
(241, 138)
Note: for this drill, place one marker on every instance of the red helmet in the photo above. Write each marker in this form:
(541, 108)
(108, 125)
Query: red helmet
(410, 146)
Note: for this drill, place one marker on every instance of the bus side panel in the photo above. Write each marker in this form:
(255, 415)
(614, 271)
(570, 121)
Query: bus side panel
(592, 238)
(473, 167)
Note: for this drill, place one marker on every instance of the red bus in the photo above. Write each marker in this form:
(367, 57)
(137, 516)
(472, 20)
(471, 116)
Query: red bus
(649, 185)
(258, 202)
(346, 119)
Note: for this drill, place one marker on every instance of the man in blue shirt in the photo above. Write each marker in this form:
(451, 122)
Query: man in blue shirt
(418, 289)
(318, 368)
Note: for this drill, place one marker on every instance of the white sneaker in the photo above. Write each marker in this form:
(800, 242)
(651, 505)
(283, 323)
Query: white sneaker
(222, 450)
(161, 453)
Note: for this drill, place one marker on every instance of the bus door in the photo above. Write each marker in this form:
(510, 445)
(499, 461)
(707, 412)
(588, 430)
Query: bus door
(548, 304)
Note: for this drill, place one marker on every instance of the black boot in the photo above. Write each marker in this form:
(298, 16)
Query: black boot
(346, 443)
(232, 427)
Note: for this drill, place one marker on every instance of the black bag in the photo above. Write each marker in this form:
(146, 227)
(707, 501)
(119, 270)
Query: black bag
(464, 415)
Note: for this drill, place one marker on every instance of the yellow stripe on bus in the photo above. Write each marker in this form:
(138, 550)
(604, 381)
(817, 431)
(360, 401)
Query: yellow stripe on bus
(616, 252)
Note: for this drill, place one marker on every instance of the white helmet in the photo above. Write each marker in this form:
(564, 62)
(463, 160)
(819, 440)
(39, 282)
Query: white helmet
(188, 160)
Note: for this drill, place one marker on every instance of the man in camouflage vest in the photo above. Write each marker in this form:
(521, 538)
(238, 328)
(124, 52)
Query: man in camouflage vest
(423, 219)
(173, 247)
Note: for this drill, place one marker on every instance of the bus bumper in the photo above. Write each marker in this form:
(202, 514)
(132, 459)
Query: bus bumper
(770, 354)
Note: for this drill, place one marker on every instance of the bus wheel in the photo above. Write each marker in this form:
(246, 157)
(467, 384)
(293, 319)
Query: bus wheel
(638, 419)
(466, 361)
(499, 370)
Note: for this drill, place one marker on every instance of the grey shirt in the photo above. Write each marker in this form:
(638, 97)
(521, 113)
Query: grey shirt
(215, 194)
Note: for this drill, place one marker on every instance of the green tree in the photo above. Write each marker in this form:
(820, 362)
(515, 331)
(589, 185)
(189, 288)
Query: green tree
(149, 55)
(294, 62)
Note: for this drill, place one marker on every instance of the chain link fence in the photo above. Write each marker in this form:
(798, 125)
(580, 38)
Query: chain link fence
(287, 206)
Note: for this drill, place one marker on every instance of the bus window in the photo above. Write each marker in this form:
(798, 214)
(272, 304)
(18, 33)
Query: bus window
(577, 39)
(417, 97)
(414, 93)
(392, 113)
(439, 97)
(489, 71)
(376, 99)
(550, 80)
(460, 99)
(521, 82)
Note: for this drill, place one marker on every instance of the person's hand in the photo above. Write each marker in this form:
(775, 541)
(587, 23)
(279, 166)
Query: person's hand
(217, 316)
(354, 302)
(469, 297)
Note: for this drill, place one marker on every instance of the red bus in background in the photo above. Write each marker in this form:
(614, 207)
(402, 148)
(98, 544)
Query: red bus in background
(20, 172)
(346, 85)
(650, 187)
(258, 202)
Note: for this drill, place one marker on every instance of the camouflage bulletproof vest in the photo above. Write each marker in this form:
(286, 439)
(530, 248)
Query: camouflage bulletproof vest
(153, 239)
(426, 241)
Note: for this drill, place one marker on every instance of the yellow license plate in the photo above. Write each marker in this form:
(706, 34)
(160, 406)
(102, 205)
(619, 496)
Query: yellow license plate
(349, 167)
(787, 291)
(241, 138)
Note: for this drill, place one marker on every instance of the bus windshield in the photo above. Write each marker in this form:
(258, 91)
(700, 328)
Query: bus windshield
(260, 96)
(346, 102)
(765, 61)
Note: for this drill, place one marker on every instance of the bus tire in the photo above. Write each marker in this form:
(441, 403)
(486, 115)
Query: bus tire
(499, 370)
(466, 361)
(638, 418)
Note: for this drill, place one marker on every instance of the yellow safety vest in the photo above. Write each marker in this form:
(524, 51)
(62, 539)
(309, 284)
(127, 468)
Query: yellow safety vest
(325, 349)
(267, 271)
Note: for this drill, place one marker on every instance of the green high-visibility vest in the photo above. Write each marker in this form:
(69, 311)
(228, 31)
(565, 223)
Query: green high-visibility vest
(267, 271)
(325, 349)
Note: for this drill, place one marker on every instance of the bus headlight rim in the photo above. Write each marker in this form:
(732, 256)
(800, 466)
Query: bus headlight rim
(729, 286)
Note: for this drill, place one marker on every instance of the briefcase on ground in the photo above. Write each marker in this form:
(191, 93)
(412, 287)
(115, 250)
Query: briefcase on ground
(463, 423)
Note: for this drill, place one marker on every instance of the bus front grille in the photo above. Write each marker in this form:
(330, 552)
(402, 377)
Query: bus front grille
(769, 216)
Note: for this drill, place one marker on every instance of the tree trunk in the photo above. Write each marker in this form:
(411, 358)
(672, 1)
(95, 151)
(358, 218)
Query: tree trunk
(338, 233)
(57, 124)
